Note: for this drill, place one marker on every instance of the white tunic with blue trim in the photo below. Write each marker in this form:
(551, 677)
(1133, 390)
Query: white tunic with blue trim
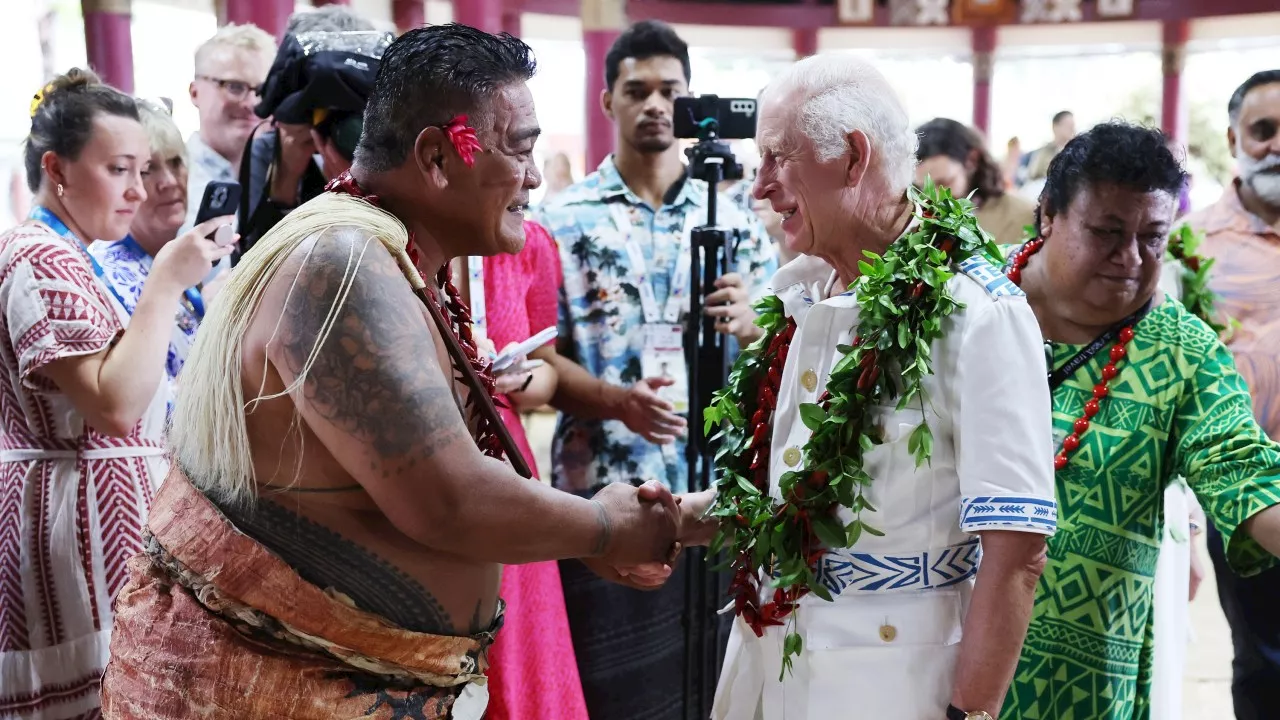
(887, 645)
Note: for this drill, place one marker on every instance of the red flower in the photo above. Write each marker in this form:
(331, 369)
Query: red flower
(463, 138)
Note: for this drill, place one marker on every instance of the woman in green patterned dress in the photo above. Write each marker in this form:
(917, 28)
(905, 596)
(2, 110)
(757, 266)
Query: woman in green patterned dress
(1143, 392)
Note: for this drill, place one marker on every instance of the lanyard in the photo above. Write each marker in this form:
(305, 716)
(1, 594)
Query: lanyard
(1059, 376)
(43, 215)
(194, 300)
(677, 290)
(475, 284)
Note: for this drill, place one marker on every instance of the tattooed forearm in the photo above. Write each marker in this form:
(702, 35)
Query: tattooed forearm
(606, 530)
(375, 376)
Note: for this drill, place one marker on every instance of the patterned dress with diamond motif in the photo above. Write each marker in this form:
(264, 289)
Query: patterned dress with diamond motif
(1177, 407)
(72, 501)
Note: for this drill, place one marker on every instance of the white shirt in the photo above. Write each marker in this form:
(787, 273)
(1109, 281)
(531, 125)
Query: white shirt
(204, 165)
(988, 406)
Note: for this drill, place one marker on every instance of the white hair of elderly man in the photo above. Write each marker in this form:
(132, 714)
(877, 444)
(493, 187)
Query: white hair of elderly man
(843, 93)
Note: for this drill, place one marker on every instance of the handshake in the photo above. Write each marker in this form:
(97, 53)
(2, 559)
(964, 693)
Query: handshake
(644, 530)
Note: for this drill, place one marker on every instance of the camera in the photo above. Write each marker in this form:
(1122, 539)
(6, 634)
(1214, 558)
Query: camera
(733, 118)
(324, 79)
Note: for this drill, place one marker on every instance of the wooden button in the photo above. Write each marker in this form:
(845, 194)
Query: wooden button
(888, 633)
(809, 380)
(791, 456)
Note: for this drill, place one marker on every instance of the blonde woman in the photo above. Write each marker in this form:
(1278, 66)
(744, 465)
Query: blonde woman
(128, 263)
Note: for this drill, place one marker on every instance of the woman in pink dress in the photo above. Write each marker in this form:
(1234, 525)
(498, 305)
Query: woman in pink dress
(82, 398)
(534, 673)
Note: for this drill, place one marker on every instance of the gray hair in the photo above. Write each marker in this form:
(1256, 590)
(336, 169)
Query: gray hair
(327, 18)
(165, 137)
(843, 93)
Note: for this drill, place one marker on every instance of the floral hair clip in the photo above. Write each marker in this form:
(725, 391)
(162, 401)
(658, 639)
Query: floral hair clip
(39, 98)
(463, 138)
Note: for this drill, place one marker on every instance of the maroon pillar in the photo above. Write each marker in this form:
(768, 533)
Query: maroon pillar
(1173, 115)
(596, 43)
(483, 15)
(804, 41)
(270, 15)
(983, 39)
(408, 14)
(602, 22)
(108, 41)
(511, 18)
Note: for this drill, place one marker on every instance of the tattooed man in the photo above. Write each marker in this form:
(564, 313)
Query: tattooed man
(330, 541)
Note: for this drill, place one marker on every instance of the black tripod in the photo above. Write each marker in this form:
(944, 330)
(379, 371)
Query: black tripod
(707, 353)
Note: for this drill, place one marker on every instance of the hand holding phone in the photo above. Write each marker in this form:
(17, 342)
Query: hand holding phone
(188, 258)
(220, 198)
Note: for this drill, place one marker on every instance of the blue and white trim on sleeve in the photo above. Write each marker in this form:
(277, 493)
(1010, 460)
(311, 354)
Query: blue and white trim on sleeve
(989, 277)
(1008, 512)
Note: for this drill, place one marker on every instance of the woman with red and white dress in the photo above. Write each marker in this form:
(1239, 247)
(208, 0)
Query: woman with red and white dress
(82, 398)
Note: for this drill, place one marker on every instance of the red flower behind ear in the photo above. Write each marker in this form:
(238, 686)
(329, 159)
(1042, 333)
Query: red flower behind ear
(463, 138)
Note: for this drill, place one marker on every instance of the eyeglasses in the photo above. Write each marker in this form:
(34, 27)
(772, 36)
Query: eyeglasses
(237, 89)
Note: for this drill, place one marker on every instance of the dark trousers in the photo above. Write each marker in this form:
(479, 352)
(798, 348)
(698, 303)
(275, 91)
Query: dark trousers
(630, 644)
(1252, 607)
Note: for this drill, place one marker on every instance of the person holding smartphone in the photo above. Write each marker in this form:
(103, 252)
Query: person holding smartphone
(127, 264)
(532, 670)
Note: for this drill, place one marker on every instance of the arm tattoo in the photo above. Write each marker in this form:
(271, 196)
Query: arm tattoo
(376, 376)
(606, 530)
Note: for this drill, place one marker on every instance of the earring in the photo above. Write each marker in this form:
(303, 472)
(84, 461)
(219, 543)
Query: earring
(59, 189)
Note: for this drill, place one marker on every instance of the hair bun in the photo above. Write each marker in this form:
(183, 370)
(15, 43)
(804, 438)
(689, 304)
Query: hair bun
(73, 79)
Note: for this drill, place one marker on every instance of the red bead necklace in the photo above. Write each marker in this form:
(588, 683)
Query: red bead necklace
(1069, 444)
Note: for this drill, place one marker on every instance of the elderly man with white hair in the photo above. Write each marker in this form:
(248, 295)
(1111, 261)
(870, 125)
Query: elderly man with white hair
(880, 440)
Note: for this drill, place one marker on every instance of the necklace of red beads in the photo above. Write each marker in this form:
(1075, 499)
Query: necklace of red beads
(1069, 444)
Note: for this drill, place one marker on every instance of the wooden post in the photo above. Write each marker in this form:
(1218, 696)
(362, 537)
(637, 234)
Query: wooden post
(483, 15)
(983, 39)
(109, 42)
(1173, 111)
(602, 22)
(408, 14)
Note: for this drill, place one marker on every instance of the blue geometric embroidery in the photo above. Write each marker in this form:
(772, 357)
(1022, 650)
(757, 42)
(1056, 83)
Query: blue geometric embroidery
(841, 570)
(987, 275)
(1008, 512)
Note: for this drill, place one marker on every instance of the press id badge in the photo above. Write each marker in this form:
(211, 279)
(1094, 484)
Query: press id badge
(663, 356)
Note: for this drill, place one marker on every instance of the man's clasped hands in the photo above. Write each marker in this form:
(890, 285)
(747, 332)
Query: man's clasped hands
(647, 528)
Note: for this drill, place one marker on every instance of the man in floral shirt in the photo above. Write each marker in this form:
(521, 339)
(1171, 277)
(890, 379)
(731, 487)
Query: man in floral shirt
(624, 241)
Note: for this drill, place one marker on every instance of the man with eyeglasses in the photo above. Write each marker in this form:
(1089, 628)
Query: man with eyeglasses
(229, 69)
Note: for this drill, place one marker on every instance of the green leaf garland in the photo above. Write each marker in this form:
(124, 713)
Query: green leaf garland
(902, 298)
(1196, 295)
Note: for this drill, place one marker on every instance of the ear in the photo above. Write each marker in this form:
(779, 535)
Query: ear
(430, 155)
(859, 157)
(191, 91)
(606, 103)
(54, 168)
(971, 160)
(1231, 140)
(1047, 223)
